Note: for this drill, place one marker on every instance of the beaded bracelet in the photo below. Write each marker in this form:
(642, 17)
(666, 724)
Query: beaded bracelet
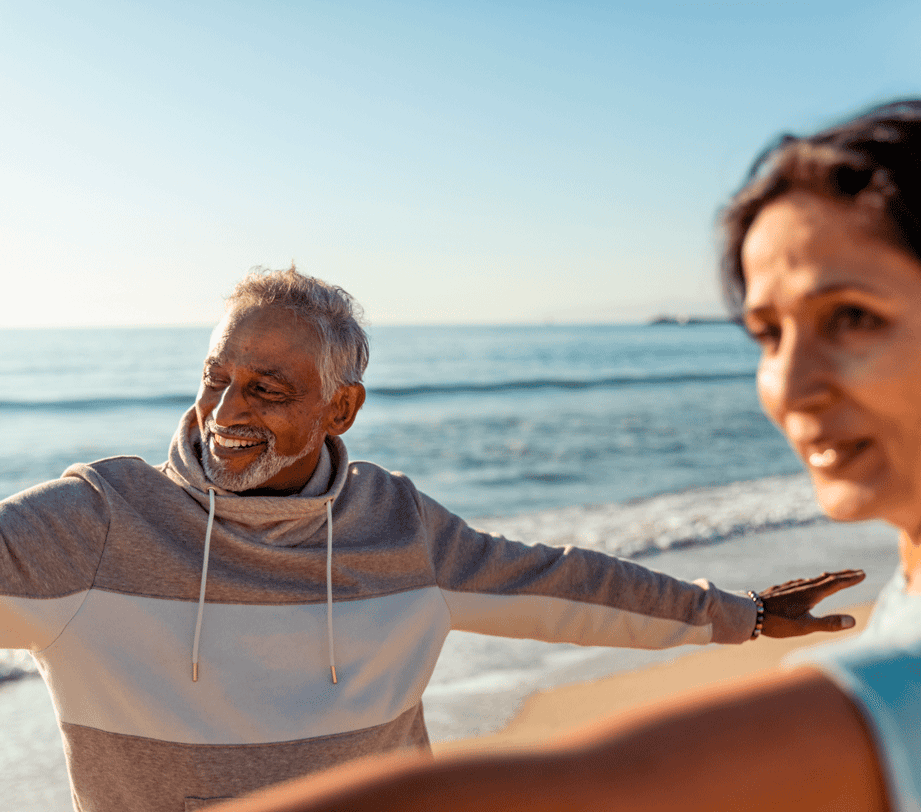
(759, 620)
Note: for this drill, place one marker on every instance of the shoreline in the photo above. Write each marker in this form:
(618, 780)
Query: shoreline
(546, 715)
(481, 684)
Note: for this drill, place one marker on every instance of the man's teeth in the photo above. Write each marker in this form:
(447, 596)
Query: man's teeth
(823, 460)
(233, 442)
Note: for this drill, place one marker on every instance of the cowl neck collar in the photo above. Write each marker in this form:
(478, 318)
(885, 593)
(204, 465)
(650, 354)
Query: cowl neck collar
(280, 520)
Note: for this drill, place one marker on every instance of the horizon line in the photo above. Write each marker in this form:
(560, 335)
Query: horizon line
(650, 320)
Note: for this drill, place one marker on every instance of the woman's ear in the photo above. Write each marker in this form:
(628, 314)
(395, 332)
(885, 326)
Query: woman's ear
(343, 408)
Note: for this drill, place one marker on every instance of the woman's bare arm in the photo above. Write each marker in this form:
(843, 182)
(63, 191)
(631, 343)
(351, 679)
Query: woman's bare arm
(784, 741)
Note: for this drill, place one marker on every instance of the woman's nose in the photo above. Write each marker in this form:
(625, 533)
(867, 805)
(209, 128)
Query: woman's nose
(798, 376)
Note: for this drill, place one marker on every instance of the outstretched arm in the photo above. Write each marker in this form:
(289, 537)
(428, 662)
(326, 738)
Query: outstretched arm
(788, 606)
(52, 538)
(788, 741)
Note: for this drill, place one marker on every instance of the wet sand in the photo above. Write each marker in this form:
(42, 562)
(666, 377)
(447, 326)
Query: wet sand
(33, 775)
(546, 715)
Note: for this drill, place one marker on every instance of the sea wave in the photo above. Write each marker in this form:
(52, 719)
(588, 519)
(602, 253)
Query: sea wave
(16, 665)
(691, 518)
(404, 391)
(97, 404)
(556, 383)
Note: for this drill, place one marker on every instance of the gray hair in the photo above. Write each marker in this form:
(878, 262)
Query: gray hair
(334, 314)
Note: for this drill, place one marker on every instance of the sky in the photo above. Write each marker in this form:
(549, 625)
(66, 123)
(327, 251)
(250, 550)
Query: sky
(444, 162)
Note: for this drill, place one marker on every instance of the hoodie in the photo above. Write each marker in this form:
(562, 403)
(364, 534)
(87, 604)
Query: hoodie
(314, 620)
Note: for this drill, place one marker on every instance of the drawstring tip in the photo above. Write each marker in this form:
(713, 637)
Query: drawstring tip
(194, 672)
(332, 670)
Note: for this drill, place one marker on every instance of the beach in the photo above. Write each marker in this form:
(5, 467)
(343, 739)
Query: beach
(527, 692)
(642, 442)
(546, 716)
(481, 683)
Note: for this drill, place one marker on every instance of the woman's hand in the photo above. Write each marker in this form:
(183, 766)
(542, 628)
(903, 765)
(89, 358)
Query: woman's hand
(787, 607)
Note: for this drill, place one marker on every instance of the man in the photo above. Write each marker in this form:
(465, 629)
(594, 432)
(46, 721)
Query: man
(258, 608)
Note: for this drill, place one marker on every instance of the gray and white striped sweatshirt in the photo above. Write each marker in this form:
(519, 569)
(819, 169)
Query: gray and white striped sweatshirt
(101, 572)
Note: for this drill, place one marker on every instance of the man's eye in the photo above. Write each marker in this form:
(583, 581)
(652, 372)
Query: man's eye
(211, 382)
(266, 392)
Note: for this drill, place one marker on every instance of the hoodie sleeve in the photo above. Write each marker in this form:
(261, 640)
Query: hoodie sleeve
(51, 542)
(567, 594)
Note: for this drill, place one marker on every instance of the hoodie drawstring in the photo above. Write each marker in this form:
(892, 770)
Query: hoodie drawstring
(329, 588)
(204, 580)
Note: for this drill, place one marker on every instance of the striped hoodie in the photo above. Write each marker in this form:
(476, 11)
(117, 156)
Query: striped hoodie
(119, 574)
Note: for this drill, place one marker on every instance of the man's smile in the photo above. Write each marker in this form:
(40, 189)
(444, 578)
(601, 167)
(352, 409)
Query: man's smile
(231, 443)
(235, 442)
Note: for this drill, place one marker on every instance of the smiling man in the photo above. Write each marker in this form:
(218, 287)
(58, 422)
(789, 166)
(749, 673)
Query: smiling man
(263, 409)
(258, 607)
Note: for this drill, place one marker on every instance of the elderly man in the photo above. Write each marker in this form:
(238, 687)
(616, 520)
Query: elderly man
(258, 607)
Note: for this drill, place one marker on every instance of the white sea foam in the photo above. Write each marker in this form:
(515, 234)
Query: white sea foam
(694, 517)
(16, 664)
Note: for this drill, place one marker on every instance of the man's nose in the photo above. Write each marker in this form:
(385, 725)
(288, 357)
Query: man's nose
(232, 408)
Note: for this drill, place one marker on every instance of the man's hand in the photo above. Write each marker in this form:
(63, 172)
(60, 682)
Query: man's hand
(787, 607)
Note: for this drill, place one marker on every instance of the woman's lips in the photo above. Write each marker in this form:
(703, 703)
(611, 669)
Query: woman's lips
(828, 457)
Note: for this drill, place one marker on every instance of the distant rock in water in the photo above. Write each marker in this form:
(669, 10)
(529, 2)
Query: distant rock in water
(684, 321)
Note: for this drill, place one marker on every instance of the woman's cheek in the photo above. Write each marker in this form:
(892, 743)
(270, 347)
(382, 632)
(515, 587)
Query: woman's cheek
(864, 371)
(769, 386)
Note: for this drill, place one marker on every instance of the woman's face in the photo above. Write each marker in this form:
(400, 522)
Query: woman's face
(837, 313)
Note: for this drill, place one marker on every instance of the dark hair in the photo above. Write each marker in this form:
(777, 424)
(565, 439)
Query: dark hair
(872, 160)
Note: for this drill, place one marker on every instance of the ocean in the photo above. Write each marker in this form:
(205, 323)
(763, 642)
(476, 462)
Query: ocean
(492, 421)
(488, 420)
(645, 441)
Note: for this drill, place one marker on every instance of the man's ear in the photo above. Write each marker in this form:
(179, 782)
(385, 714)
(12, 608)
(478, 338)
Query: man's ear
(343, 408)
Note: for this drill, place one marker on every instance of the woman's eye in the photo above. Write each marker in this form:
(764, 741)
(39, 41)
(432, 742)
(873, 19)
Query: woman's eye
(852, 317)
(764, 334)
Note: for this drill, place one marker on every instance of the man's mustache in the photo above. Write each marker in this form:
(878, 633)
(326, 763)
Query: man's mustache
(239, 432)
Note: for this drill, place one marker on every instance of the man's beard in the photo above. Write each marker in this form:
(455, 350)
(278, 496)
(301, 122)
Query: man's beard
(268, 464)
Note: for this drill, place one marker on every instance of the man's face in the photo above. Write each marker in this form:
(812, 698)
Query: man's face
(260, 409)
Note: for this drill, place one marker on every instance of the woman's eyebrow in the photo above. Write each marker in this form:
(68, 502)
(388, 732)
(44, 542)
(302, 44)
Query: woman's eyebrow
(830, 289)
(841, 287)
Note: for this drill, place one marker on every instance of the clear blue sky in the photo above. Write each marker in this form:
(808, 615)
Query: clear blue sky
(444, 162)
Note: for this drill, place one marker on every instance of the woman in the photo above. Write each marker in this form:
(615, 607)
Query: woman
(823, 265)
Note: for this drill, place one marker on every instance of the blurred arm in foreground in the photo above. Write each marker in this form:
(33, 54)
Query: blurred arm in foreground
(788, 741)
